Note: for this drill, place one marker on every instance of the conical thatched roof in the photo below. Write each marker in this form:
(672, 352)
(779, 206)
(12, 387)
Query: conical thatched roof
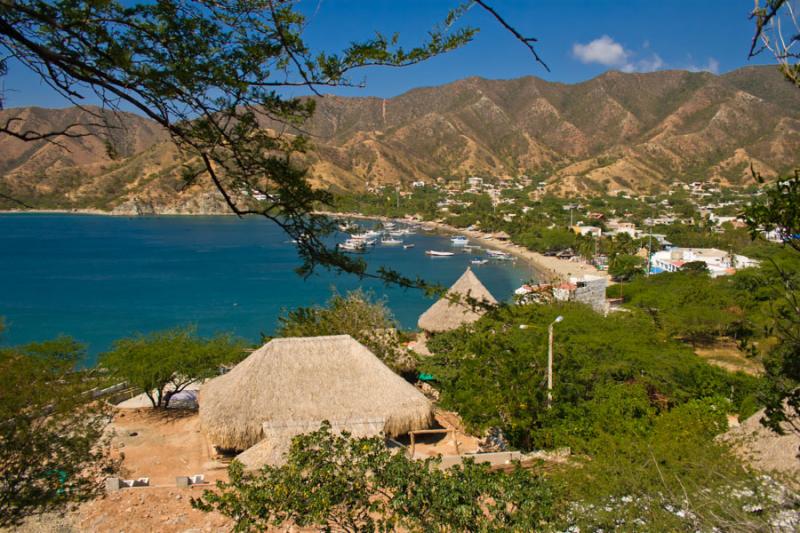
(446, 315)
(294, 381)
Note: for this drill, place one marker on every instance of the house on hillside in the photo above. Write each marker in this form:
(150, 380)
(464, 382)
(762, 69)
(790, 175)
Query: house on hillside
(719, 262)
(592, 231)
(589, 290)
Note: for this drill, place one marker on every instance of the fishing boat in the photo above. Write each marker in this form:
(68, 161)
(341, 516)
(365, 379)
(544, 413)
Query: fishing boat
(352, 246)
(407, 246)
(435, 253)
(459, 241)
(479, 261)
(398, 233)
(348, 226)
(497, 254)
(391, 241)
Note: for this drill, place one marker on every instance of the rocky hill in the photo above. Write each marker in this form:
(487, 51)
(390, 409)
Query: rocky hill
(634, 132)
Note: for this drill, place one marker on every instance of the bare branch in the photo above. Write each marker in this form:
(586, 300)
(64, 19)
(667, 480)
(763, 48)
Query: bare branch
(527, 41)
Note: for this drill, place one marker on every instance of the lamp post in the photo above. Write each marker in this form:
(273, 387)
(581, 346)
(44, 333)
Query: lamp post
(549, 357)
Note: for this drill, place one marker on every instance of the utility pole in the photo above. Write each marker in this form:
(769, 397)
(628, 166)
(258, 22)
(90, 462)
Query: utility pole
(550, 360)
(650, 245)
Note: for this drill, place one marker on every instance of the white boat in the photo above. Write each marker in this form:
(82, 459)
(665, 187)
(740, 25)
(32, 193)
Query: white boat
(366, 238)
(391, 241)
(479, 261)
(434, 253)
(398, 233)
(407, 246)
(352, 245)
(389, 225)
(459, 241)
(348, 226)
(497, 254)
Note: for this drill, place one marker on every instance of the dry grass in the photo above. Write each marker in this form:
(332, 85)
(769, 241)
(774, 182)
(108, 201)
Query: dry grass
(726, 354)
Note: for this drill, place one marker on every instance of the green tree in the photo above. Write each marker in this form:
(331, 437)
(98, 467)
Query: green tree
(779, 210)
(696, 267)
(624, 267)
(338, 483)
(52, 448)
(494, 375)
(164, 363)
(356, 314)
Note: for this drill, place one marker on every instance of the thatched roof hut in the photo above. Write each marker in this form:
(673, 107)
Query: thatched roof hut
(301, 381)
(446, 315)
(278, 437)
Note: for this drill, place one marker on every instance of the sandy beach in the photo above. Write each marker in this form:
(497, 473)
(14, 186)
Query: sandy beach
(548, 268)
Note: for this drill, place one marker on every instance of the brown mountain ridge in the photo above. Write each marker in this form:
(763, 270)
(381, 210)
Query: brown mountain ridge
(616, 132)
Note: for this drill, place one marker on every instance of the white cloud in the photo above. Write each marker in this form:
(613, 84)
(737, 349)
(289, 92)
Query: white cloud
(711, 66)
(650, 64)
(605, 51)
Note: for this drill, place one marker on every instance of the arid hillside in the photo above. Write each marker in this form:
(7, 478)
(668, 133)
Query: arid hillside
(632, 132)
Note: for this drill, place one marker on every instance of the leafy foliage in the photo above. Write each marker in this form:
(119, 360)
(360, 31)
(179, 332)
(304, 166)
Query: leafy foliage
(338, 483)
(356, 314)
(662, 472)
(494, 374)
(164, 363)
(52, 449)
(624, 267)
(780, 210)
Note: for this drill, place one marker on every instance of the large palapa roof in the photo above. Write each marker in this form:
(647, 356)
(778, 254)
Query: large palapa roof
(301, 381)
(446, 315)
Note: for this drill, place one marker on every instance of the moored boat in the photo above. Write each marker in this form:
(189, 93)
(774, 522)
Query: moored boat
(459, 241)
(435, 253)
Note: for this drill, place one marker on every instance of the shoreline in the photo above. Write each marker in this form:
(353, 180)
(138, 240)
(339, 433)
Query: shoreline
(549, 268)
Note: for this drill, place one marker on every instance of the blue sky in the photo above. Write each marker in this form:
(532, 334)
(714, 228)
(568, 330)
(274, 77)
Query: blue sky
(579, 39)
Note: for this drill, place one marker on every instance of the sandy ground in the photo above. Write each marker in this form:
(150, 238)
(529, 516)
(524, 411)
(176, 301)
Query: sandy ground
(765, 449)
(163, 445)
(549, 268)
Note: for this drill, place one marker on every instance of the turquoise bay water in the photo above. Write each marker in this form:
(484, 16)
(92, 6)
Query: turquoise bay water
(99, 278)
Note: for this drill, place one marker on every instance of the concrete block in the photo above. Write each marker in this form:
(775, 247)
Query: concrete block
(113, 484)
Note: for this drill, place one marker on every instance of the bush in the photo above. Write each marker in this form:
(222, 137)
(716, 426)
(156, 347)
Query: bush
(339, 483)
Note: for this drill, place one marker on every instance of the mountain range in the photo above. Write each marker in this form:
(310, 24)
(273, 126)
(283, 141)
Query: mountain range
(630, 132)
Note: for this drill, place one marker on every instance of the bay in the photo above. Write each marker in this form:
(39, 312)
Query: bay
(100, 278)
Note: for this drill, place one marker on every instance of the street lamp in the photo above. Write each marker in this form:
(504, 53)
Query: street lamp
(558, 319)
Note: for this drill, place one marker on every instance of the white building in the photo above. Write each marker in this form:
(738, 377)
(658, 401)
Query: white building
(719, 262)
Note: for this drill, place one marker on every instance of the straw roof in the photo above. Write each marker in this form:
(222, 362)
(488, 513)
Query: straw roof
(301, 380)
(446, 315)
(278, 437)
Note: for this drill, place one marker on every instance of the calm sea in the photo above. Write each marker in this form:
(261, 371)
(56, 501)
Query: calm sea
(99, 278)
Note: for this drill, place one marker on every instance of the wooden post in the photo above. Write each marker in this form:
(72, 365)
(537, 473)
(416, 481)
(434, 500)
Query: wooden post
(550, 367)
